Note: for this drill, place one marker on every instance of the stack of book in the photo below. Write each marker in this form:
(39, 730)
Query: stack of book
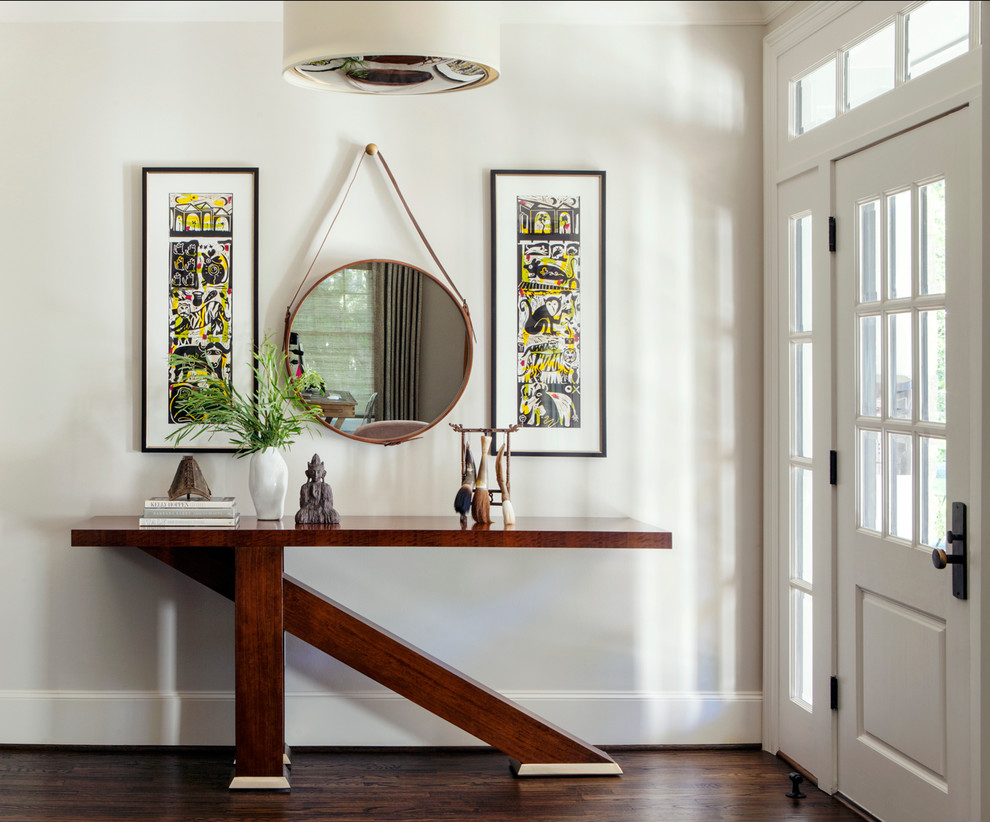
(197, 513)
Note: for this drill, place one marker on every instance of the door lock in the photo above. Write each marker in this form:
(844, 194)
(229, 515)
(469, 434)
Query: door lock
(957, 559)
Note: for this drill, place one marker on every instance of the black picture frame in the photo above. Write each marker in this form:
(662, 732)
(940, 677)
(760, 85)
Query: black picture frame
(199, 288)
(548, 310)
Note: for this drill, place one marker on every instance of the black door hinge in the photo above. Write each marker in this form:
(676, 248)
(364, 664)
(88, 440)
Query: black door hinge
(831, 233)
(833, 693)
(833, 468)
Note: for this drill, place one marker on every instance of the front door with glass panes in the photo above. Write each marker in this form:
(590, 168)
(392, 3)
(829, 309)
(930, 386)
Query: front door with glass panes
(902, 339)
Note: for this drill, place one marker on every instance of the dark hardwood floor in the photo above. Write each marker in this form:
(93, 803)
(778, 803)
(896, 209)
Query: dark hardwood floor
(80, 784)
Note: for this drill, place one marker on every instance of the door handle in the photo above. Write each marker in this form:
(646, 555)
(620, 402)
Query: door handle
(957, 559)
(940, 559)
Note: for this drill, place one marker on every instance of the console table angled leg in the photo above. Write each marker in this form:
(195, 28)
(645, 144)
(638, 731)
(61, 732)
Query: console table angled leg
(535, 747)
(259, 660)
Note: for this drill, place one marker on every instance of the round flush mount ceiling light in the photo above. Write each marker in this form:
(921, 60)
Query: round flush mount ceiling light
(390, 47)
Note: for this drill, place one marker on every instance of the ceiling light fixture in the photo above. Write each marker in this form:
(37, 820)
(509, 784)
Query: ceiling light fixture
(390, 47)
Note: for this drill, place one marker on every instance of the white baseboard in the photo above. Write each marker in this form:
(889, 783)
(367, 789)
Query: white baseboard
(375, 718)
(116, 718)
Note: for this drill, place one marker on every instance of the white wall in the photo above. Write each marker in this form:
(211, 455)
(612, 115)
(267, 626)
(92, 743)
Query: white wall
(107, 646)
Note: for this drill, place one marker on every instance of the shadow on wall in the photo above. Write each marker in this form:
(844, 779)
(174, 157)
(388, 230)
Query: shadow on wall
(699, 306)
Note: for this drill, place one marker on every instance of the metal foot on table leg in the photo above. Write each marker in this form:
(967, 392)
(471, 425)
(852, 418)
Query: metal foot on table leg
(261, 783)
(565, 768)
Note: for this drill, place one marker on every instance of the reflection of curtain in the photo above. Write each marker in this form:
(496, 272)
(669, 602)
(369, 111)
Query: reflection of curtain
(402, 308)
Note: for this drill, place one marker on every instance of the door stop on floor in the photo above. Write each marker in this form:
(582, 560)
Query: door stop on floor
(796, 779)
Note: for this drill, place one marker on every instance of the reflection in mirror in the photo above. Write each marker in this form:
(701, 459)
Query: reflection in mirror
(387, 347)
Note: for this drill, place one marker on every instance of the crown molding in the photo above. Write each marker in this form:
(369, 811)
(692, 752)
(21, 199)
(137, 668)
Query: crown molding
(519, 12)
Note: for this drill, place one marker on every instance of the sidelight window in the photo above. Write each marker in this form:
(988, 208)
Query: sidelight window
(801, 582)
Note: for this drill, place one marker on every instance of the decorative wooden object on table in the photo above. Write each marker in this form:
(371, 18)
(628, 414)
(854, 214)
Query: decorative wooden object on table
(464, 495)
(188, 481)
(316, 497)
(488, 435)
(501, 477)
(245, 564)
(481, 502)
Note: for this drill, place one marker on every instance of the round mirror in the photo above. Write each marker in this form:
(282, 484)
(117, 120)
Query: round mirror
(386, 346)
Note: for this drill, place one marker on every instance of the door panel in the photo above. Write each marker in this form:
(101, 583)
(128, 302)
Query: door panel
(901, 644)
(901, 366)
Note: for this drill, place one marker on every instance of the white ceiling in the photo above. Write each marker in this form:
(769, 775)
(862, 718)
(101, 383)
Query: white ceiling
(614, 12)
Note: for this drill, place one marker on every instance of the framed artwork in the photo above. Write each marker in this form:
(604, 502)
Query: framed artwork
(548, 310)
(200, 294)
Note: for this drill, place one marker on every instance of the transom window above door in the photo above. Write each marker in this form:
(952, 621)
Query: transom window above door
(904, 47)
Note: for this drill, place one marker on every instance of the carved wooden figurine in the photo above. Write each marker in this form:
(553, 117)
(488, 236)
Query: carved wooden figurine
(316, 497)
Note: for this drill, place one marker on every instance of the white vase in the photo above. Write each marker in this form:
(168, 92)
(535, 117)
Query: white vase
(268, 480)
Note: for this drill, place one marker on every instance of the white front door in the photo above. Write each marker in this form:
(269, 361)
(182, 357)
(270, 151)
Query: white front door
(903, 275)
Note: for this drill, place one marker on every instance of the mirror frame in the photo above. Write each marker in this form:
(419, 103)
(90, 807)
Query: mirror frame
(468, 350)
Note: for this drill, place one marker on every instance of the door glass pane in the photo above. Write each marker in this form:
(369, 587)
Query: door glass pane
(899, 245)
(933, 506)
(801, 522)
(931, 365)
(936, 33)
(900, 500)
(801, 280)
(801, 397)
(802, 644)
(931, 220)
(870, 480)
(899, 350)
(870, 67)
(869, 366)
(814, 98)
(869, 251)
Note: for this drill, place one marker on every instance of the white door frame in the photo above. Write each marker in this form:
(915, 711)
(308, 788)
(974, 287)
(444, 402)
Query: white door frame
(821, 27)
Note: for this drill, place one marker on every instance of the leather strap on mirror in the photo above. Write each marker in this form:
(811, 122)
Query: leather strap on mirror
(288, 308)
(371, 150)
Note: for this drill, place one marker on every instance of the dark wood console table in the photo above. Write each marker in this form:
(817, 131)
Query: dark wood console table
(245, 564)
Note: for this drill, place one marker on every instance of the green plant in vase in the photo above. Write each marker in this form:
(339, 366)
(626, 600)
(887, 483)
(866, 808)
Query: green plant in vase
(257, 425)
(274, 418)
